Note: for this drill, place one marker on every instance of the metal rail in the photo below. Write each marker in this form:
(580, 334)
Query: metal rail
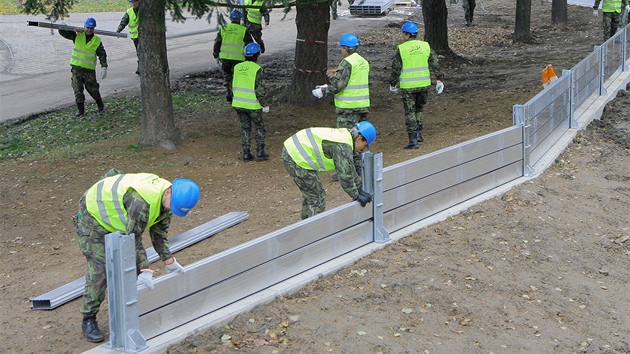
(73, 28)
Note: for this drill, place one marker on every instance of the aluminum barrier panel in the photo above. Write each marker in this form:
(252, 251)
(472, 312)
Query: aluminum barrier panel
(371, 7)
(612, 54)
(586, 79)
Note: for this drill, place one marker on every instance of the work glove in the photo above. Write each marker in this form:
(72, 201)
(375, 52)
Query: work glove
(627, 8)
(363, 197)
(265, 109)
(595, 12)
(172, 265)
(393, 89)
(439, 87)
(103, 73)
(146, 277)
(318, 93)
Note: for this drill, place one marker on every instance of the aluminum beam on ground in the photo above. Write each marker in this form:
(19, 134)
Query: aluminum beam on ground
(371, 7)
(74, 289)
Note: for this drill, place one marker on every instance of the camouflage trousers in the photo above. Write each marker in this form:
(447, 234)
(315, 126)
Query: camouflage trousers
(347, 118)
(333, 8)
(610, 23)
(227, 68)
(256, 32)
(469, 9)
(84, 79)
(313, 192)
(91, 241)
(247, 117)
(413, 105)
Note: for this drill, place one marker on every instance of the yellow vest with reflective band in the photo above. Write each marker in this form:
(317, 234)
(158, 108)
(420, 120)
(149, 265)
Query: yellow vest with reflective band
(357, 93)
(415, 64)
(611, 6)
(84, 54)
(133, 23)
(244, 86)
(254, 15)
(104, 200)
(232, 44)
(305, 147)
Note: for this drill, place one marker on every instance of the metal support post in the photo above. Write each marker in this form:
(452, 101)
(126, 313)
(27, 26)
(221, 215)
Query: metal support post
(373, 184)
(520, 116)
(624, 48)
(573, 124)
(122, 291)
(602, 67)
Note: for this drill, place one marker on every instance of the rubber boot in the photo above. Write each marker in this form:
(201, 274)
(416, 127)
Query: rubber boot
(419, 134)
(100, 104)
(413, 141)
(138, 68)
(261, 154)
(80, 109)
(91, 332)
(247, 155)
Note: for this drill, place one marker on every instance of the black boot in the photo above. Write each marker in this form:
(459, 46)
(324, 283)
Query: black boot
(261, 154)
(91, 332)
(413, 141)
(247, 155)
(100, 104)
(419, 134)
(80, 109)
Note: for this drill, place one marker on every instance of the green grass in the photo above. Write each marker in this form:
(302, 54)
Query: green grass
(10, 7)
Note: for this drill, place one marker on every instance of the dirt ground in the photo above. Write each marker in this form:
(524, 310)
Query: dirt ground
(543, 268)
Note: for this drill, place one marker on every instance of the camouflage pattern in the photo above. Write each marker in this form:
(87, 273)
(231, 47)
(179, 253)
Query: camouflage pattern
(610, 23)
(255, 29)
(333, 8)
(413, 104)
(84, 79)
(346, 117)
(91, 240)
(469, 10)
(227, 68)
(247, 117)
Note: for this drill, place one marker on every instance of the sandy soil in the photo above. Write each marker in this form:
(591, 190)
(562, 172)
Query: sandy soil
(540, 269)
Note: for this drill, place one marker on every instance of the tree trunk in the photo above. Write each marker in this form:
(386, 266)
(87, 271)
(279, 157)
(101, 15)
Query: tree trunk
(311, 53)
(435, 14)
(559, 13)
(158, 123)
(522, 21)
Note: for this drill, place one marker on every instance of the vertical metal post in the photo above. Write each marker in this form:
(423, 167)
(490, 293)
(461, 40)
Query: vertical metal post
(120, 254)
(520, 116)
(602, 67)
(373, 184)
(624, 48)
(573, 124)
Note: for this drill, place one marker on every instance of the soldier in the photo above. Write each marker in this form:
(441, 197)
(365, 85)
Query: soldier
(469, 11)
(129, 203)
(612, 14)
(130, 18)
(87, 46)
(412, 67)
(250, 101)
(253, 20)
(315, 150)
(333, 8)
(229, 47)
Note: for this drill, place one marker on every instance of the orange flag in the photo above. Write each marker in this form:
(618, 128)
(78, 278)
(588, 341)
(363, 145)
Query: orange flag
(548, 76)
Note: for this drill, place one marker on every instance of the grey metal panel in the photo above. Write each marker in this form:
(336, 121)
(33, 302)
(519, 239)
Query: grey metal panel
(586, 78)
(233, 288)
(371, 7)
(435, 203)
(549, 96)
(612, 56)
(453, 176)
(408, 171)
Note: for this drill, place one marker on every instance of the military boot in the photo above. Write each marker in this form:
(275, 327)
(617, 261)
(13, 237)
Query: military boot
(80, 109)
(261, 154)
(413, 141)
(91, 332)
(100, 104)
(419, 134)
(247, 155)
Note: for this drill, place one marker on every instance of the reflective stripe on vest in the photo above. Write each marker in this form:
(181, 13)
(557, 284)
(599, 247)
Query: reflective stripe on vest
(84, 54)
(415, 64)
(133, 23)
(305, 147)
(244, 86)
(357, 93)
(232, 44)
(104, 200)
(611, 6)
(254, 15)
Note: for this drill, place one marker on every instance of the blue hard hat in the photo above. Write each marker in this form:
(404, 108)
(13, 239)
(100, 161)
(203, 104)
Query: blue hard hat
(368, 131)
(252, 49)
(236, 14)
(349, 40)
(184, 196)
(90, 23)
(409, 27)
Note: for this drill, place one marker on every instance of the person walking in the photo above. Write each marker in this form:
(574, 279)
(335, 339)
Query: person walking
(250, 102)
(130, 18)
(129, 203)
(611, 17)
(469, 11)
(412, 67)
(229, 46)
(314, 150)
(87, 47)
(253, 20)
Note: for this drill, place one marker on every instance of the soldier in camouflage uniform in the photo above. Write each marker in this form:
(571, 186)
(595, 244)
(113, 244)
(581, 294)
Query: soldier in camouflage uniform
(147, 202)
(314, 150)
(333, 8)
(412, 67)
(253, 20)
(469, 11)
(611, 15)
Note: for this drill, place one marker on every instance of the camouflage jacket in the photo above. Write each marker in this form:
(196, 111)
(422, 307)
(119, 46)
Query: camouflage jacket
(342, 155)
(339, 82)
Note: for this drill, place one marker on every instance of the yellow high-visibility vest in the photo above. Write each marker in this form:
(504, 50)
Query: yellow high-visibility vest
(305, 147)
(415, 64)
(232, 44)
(84, 54)
(357, 93)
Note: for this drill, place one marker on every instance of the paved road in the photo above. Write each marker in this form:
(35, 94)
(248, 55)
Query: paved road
(35, 71)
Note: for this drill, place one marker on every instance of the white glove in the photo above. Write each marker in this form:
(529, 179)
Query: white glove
(174, 266)
(627, 8)
(318, 93)
(393, 89)
(103, 73)
(265, 109)
(439, 87)
(323, 87)
(146, 277)
(595, 13)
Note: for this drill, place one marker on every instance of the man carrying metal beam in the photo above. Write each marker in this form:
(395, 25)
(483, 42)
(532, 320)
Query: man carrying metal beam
(314, 150)
(87, 46)
(129, 203)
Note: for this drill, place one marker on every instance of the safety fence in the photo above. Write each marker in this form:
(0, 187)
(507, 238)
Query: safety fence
(404, 195)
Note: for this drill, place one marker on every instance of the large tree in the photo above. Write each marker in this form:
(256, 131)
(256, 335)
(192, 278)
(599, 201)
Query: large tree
(522, 32)
(559, 13)
(435, 15)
